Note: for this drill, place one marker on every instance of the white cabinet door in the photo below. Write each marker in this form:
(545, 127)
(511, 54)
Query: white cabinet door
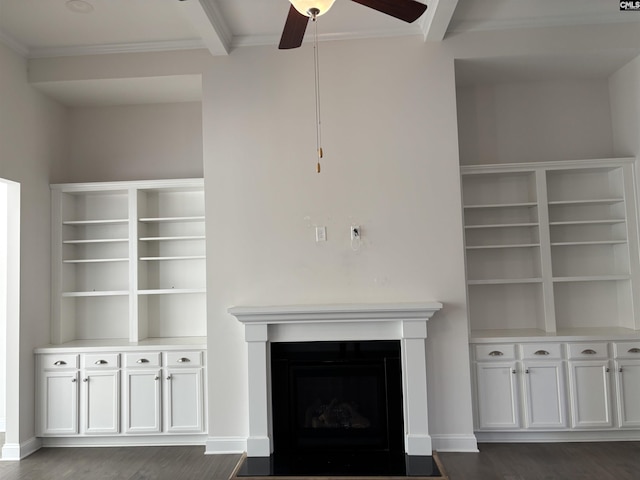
(497, 396)
(590, 394)
(183, 400)
(142, 411)
(628, 392)
(544, 394)
(59, 403)
(101, 401)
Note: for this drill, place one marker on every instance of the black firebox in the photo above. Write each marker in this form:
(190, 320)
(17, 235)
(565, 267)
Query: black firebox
(333, 398)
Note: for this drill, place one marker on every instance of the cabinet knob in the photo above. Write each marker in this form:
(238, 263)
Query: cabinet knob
(541, 352)
(142, 360)
(73, 380)
(157, 378)
(634, 350)
(620, 370)
(183, 360)
(607, 370)
(101, 362)
(85, 379)
(513, 371)
(526, 371)
(60, 363)
(589, 351)
(168, 377)
(495, 353)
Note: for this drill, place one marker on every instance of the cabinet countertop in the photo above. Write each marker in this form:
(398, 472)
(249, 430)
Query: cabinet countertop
(123, 345)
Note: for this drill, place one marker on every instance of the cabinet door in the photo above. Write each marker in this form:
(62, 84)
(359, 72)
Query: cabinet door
(628, 392)
(142, 401)
(497, 396)
(59, 403)
(101, 402)
(544, 394)
(590, 394)
(184, 400)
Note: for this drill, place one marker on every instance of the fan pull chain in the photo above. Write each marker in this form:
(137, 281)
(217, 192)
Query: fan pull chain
(317, 84)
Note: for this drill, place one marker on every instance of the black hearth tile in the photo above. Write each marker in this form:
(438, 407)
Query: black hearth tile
(339, 465)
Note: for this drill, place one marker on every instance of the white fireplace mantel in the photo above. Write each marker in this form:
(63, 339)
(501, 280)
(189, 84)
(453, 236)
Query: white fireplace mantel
(406, 322)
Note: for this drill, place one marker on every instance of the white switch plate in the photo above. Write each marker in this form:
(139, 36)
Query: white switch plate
(321, 234)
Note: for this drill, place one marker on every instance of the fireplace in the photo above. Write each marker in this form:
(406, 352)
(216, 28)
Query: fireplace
(347, 338)
(332, 397)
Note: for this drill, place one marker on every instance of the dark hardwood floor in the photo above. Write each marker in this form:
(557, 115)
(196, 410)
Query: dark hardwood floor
(543, 461)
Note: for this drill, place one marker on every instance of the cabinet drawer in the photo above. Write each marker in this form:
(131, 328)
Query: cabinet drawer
(627, 350)
(146, 359)
(60, 361)
(588, 351)
(100, 360)
(541, 351)
(496, 352)
(184, 359)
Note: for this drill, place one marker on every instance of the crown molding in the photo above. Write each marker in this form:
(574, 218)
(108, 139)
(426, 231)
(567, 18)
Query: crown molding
(140, 47)
(15, 45)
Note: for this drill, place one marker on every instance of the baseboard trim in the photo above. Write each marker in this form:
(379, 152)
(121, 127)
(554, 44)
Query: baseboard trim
(454, 443)
(225, 445)
(554, 437)
(17, 451)
(125, 441)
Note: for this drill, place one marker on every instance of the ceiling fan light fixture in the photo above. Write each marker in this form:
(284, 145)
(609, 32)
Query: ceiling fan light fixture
(305, 7)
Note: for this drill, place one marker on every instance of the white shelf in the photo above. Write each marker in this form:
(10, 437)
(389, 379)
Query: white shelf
(95, 241)
(592, 242)
(504, 281)
(589, 222)
(111, 293)
(594, 201)
(97, 260)
(115, 221)
(171, 291)
(503, 205)
(176, 257)
(591, 278)
(172, 238)
(172, 219)
(501, 225)
(488, 247)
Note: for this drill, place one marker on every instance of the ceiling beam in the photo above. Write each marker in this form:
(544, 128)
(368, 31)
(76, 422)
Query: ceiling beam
(206, 18)
(435, 22)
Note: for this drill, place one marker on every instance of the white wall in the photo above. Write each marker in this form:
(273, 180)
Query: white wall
(390, 166)
(530, 122)
(133, 142)
(624, 88)
(4, 234)
(32, 138)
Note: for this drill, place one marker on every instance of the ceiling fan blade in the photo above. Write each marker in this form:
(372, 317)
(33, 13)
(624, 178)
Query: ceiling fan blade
(407, 10)
(294, 29)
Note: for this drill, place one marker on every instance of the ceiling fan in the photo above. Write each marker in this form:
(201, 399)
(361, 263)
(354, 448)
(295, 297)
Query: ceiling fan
(301, 10)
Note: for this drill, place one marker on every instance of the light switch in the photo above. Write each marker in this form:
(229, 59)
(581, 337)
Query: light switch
(321, 234)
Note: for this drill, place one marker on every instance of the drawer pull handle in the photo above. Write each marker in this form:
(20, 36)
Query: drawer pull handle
(541, 352)
(101, 362)
(183, 360)
(634, 350)
(495, 353)
(142, 360)
(60, 363)
(589, 351)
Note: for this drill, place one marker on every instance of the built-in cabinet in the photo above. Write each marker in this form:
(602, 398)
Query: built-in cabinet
(152, 393)
(128, 335)
(552, 267)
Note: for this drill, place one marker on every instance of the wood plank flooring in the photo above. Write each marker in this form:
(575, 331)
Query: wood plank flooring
(557, 461)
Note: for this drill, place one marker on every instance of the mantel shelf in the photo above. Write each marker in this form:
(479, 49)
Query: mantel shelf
(335, 313)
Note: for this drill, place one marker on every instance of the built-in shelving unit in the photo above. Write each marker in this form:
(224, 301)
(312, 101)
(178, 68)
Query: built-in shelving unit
(128, 260)
(551, 246)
